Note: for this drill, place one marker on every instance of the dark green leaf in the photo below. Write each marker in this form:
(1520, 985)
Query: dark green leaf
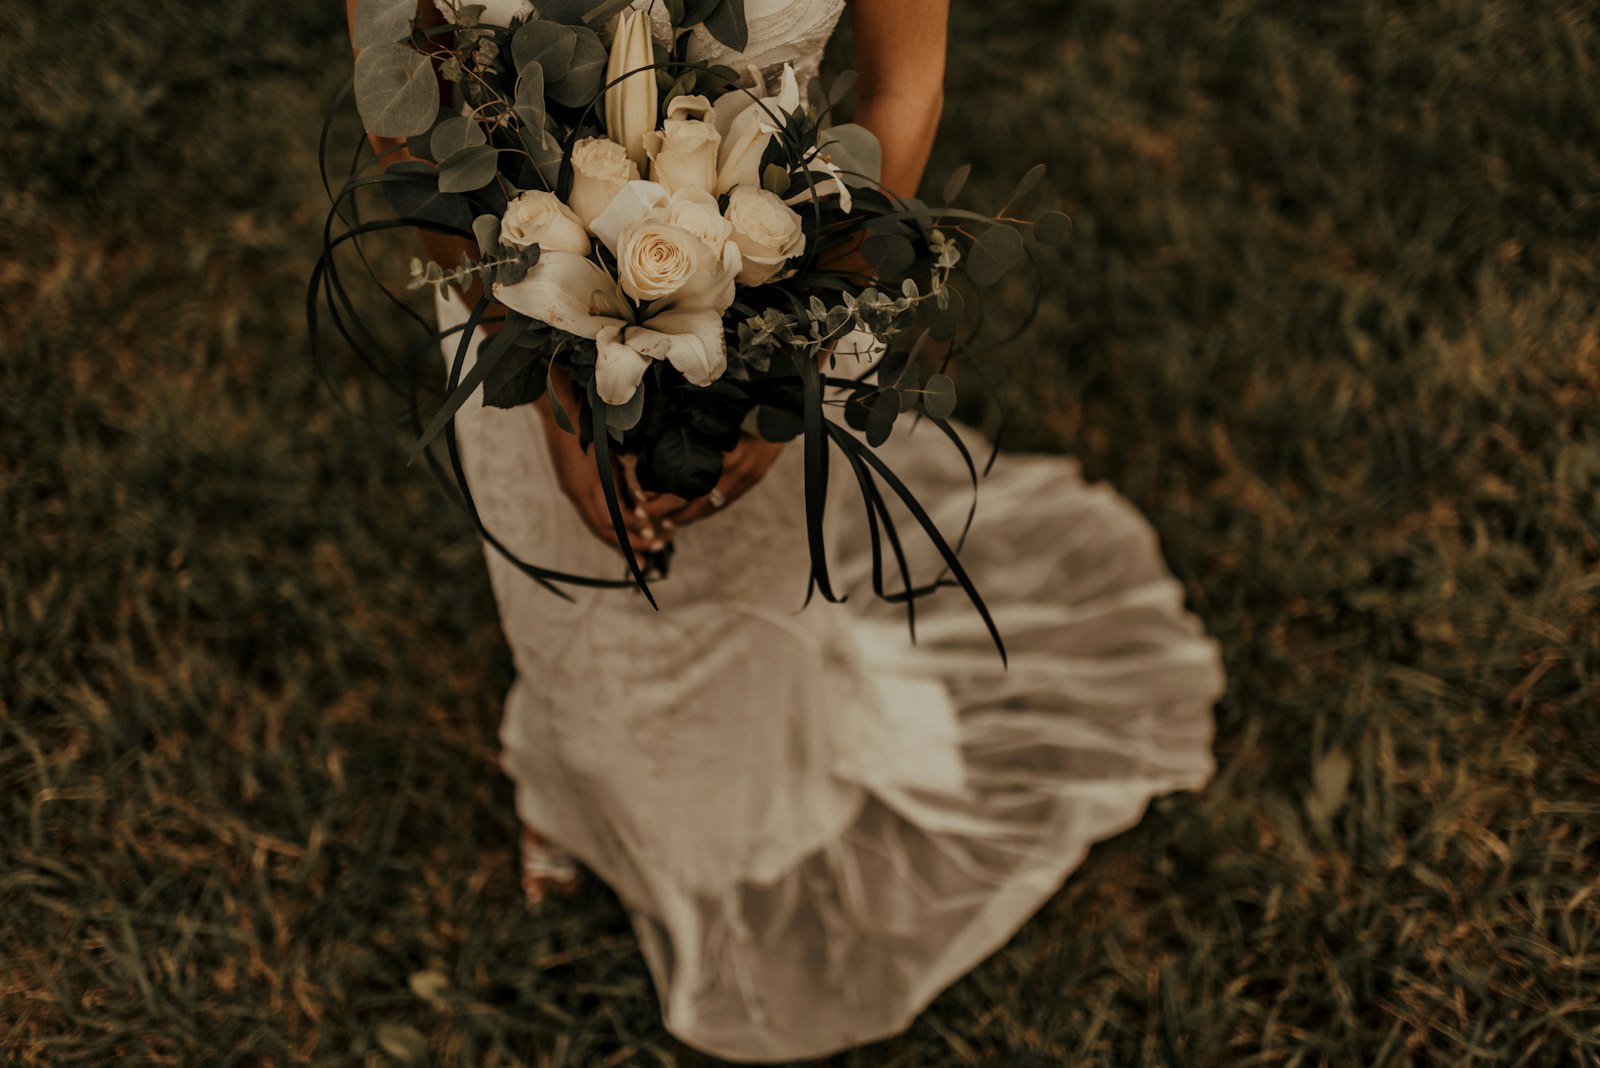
(956, 182)
(995, 251)
(727, 24)
(602, 11)
(546, 158)
(563, 420)
(549, 44)
(1052, 228)
(697, 11)
(585, 75)
(516, 380)
(778, 424)
(486, 228)
(891, 254)
(380, 22)
(775, 179)
(685, 463)
(570, 12)
(1028, 182)
(944, 323)
(939, 396)
(626, 415)
(856, 411)
(842, 87)
(418, 196)
(396, 91)
(855, 150)
(529, 104)
(880, 419)
(453, 134)
(468, 168)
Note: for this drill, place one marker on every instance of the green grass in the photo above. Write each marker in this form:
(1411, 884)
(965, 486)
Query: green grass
(1329, 316)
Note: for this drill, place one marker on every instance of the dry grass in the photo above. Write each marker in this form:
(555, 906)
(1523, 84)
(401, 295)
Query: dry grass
(1329, 316)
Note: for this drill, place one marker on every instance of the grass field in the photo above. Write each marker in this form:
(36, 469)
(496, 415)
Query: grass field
(1331, 316)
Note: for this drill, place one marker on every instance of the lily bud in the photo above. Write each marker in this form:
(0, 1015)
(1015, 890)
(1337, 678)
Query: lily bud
(631, 103)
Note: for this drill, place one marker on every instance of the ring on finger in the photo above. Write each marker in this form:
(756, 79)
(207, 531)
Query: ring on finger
(715, 498)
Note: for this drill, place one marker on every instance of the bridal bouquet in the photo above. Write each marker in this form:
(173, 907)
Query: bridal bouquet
(674, 237)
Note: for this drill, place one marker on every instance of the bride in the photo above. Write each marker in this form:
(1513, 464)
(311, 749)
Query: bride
(815, 825)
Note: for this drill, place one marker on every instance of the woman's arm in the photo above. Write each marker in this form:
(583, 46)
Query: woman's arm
(900, 57)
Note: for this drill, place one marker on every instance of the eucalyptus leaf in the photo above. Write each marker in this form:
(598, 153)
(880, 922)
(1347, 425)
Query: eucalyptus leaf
(396, 91)
(727, 24)
(546, 157)
(453, 134)
(549, 44)
(380, 22)
(1028, 182)
(1052, 228)
(956, 182)
(994, 252)
(486, 228)
(469, 168)
(585, 75)
(891, 254)
(939, 396)
(856, 413)
(944, 323)
(880, 419)
(855, 150)
(842, 87)
(778, 424)
(529, 102)
(625, 416)
(413, 192)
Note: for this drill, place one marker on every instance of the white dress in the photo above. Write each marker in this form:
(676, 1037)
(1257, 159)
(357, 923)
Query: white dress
(814, 825)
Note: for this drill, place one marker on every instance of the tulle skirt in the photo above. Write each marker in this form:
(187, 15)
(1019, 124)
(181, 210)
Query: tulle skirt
(815, 825)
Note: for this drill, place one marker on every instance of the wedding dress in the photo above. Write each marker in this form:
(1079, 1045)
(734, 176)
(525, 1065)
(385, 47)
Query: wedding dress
(814, 825)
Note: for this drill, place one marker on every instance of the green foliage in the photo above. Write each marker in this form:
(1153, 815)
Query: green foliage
(395, 90)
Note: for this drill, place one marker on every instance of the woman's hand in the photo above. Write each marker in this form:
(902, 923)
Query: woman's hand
(742, 467)
(580, 479)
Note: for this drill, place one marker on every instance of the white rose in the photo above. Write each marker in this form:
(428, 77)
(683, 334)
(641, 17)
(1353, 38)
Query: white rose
(539, 218)
(696, 211)
(656, 259)
(767, 231)
(600, 168)
(683, 153)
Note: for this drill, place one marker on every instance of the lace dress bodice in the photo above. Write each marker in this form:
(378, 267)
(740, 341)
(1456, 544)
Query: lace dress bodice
(781, 31)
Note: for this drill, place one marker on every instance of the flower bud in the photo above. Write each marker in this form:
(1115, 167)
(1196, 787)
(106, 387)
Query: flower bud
(631, 103)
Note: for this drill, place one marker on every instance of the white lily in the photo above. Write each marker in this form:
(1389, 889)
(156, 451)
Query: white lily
(631, 103)
(833, 182)
(747, 124)
(572, 293)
